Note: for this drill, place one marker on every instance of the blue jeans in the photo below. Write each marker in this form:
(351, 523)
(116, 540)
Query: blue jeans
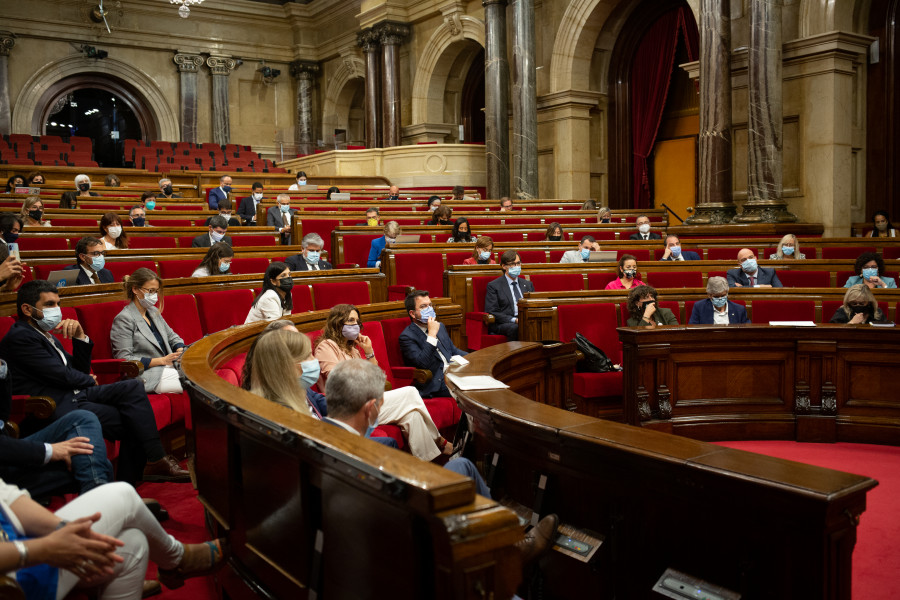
(88, 470)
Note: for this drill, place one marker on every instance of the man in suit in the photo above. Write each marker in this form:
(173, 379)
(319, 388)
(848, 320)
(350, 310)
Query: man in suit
(583, 254)
(674, 251)
(166, 191)
(41, 367)
(221, 192)
(750, 274)
(281, 216)
(425, 344)
(502, 297)
(394, 193)
(218, 225)
(226, 211)
(717, 309)
(643, 230)
(372, 220)
(138, 216)
(68, 453)
(90, 260)
(309, 259)
(247, 206)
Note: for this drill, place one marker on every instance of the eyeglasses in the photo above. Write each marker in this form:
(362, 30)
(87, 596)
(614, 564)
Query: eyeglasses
(97, 253)
(515, 264)
(150, 292)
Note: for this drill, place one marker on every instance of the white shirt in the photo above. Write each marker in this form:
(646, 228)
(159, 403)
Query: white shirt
(268, 308)
(434, 342)
(295, 188)
(345, 426)
(200, 272)
(720, 317)
(108, 246)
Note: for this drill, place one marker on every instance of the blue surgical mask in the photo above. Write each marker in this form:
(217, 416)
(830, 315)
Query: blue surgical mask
(350, 332)
(284, 207)
(223, 267)
(515, 271)
(720, 302)
(749, 265)
(301, 182)
(216, 236)
(585, 253)
(427, 313)
(310, 373)
(150, 204)
(787, 250)
(312, 256)
(52, 318)
(869, 273)
(98, 262)
(484, 255)
(676, 251)
(372, 426)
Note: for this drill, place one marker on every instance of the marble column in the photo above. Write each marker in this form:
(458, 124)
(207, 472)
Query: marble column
(304, 72)
(367, 39)
(7, 41)
(765, 203)
(714, 202)
(496, 98)
(188, 66)
(220, 67)
(524, 76)
(391, 36)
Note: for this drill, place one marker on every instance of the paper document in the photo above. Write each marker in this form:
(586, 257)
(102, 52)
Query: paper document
(458, 359)
(476, 382)
(877, 325)
(792, 323)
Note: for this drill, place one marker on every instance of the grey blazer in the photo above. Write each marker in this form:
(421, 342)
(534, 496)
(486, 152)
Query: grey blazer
(131, 339)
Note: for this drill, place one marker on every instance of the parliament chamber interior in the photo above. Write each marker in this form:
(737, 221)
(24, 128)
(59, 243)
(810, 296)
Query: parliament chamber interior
(596, 272)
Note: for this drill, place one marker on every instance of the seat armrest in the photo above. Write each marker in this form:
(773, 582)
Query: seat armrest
(10, 589)
(486, 318)
(399, 292)
(127, 369)
(417, 375)
(41, 407)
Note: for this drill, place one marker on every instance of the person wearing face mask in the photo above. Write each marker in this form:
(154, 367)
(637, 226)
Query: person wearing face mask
(604, 215)
(391, 231)
(83, 185)
(90, 259)
(10, 227)
(166, 190)
(112, 233)
(216, 262)
(342, 340)
(371, 217)
(674, 252)
(750, 274)
(68, 200)
(11, 273)
(32, 213)
(393, 193)
(218, 226)
(425, 344)
(138, 217)
(36, 179)
(148, 201)
(503, 294)
(462, 233)
(483, 253)
(248, 205)
(583, 254)
(643, 230)
(716, 308)
(628, 273)
(434, 203)
(310, 259)
(281, 216)
(859, 308)
(869, 267)
(644, 309)
(227, 213)
(301, 182)
(140, 333)
(881, 225)
(16, 181)
(275, 300)
(442, 216)
(40, 366)
(788, 249)
(554, 233)
(220, 193)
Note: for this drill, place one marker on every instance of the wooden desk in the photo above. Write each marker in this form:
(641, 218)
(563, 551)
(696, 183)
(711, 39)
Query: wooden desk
(764, 527)
(827, 383)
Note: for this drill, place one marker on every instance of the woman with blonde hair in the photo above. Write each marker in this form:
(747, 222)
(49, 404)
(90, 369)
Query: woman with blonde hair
(860, 307)
(32, 212)
(140, 333)
(280, 359)
(391, 232)
(483, 253)
(112, 234)
(604, 215)
(342, 340)
(788, 249)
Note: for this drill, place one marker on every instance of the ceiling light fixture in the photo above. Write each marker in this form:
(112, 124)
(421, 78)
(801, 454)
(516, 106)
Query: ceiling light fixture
(184, 9)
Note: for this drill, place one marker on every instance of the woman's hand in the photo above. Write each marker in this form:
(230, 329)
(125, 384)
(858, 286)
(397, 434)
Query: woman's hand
(876, 282)
(858, 319)
(649, 310)
(365, 342)
(76, 548)
(168, 360)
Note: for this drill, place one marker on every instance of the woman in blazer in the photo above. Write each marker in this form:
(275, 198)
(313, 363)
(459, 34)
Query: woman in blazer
(140, 333)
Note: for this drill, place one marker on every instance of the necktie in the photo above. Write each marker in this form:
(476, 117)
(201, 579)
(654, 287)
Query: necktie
(313, 407)
(517, 293)
(94, 278)
(752, 281)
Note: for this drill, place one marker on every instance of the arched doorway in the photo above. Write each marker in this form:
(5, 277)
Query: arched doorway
(99, 114)
(472, 109)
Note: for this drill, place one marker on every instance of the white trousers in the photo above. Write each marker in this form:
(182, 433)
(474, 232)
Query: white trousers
(168, 382)
(123, 516)
(405, 408)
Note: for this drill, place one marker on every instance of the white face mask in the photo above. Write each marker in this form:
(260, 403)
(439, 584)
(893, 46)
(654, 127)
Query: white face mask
(257, 196)
(114, 232)
(149, 300)
(644, 228)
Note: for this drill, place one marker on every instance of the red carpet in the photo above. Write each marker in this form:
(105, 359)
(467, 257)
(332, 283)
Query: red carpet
(876, 559)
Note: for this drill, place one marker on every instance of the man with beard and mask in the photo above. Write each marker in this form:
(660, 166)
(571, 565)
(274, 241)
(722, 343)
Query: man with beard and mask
(426, 344)
(248, 205)
(83, 185)
(394, 193)
(218, 225)
(220, 193)
(502, 297)
(90, 260)
(166, 191)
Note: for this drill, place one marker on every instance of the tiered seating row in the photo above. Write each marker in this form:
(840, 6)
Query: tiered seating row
(49, 150)
(160, 156)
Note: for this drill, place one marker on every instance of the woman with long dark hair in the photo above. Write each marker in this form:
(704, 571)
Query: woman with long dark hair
(274, 301)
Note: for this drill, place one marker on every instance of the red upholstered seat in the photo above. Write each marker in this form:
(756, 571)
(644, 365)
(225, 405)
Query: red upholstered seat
(423, 271)
(890, 252)
(326, 295)
(457, 258)
(510, 236)
(476, 331)
(223, 309)
(180, 312)
(42, 242)
(302, 299)
(236, 366)
(6, 324)
(829, 307)
(392, 328)
(174, 269)
(792, 278)
(244, 266)
(554, 256)
(557, 282)
(845, 251)
(638, 253)
(675, 279)
(42, 271)
(96, 320)
(533, 256)
(356, 247)
(253, 240)
(185, 241)
(783, 310)
(149, 241)
(722, 254)
(324, 227)
(124, 268)
(598, 281)
(597, 322)
(65, 222)
(842, 277)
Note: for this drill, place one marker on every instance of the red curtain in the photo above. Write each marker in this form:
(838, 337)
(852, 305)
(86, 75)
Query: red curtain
(651, 72)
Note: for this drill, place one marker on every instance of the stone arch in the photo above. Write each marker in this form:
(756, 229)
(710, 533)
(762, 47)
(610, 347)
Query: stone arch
(342, 87)
(439, 54)
(28, 109)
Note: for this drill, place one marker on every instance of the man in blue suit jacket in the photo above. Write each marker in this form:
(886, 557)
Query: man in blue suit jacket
(750, 274)
(220, 193)
(425, 344)
(90, 260)
(499, 299)
(717, 308)
(674, 251)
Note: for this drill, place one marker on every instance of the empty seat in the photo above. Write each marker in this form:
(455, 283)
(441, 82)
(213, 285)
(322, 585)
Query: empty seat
(174, 269)
(845, 251)
(829, 307)
(532, 256)
(244, 266)
(722, 254)
(764, 311)
(557, 282)
(180, 312)
(423, 271)
(356, 247)
(792, 278)
(223, 309)
(326, 295)
(638, 253)
(254, 240)
(149, 241)
(675, 279)
(302, 298)
(124, 268)
(598, 281)
(96, 320)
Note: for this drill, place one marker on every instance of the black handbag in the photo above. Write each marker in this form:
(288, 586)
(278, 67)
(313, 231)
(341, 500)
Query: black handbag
(595, 359)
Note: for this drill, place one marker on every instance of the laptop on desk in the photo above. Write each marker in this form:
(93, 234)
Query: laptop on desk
(63, 278)
(603, 256)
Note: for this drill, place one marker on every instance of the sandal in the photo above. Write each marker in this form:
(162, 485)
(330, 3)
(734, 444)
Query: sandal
(198, 560)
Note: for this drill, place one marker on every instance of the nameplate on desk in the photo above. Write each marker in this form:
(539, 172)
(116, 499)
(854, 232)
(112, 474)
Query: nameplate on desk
(476, 382)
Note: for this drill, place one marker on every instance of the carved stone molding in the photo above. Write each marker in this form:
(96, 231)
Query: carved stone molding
(369, 40)
(221, 65)
(391, 33)
(7, 41)
(304, 69)
(453, 13)
(188, 63)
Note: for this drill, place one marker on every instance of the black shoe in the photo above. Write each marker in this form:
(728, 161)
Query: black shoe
(151, 588)
(539, 540)
(156, 508)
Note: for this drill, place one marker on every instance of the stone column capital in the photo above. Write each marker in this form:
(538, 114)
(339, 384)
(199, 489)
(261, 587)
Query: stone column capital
(489, 2)
(7, 41)
(391, 33)
(188, 63)
(304, 69)
(221, 65)
(369, 40)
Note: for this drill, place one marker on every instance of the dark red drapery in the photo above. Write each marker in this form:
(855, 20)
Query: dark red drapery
(651, 72)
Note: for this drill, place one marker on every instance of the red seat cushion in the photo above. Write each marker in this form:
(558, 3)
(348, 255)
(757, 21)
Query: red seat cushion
(149, 241)
(557, 282)
(675, 279)
(423, 271)
(223, 309)
(845, 251)
(805, 278)
(598, 281)
(180, 312)
(598, 385)
(44, 270)
(253, 240)
(175, 269)
(638, 253)
(244, 266)
(326, 295)
(597, 322)
(829, 307)
(457, 258)
(722, 254)
(96, 320)
(302, 299)
(783, 310)
(533, 256)
(356, 247)
(121, 269)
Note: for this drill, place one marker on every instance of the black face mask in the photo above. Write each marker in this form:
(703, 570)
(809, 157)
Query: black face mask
(393, 197)
(604, 220)
(36, 214)
(9, 237)
(286, 283)
(168, 190)
(84, 186)
(555, 238)
(138, 221)
(866, 310)
(445, 221)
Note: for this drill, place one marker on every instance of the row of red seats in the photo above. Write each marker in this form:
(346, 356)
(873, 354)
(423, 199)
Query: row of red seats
(40, 242)
(28, 143)
(48, 150)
